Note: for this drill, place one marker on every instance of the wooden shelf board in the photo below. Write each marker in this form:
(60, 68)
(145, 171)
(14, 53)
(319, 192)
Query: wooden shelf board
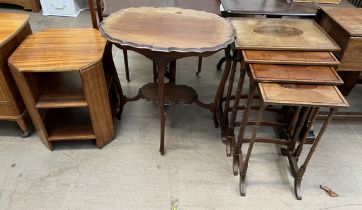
(68, 124)
(44, 103)
(60, 90)
(173, 94)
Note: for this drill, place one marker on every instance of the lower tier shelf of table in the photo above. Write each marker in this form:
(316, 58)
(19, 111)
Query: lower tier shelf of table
(173, 94)
(68, 124)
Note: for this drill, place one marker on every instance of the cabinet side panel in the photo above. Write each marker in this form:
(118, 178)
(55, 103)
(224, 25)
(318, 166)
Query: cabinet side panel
(96, 93)
(352, 56)
(25, 92)
(15, 106)
(338, 34)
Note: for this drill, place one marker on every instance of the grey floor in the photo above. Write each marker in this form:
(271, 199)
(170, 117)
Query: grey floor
(129, 173)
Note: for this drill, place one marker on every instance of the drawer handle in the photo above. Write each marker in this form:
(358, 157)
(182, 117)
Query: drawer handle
(59, 7)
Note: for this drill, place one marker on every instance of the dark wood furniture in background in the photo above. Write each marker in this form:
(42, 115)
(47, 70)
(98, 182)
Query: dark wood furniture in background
(344, 25)
(33, 5)
(111, 6)
(68, 92)
(357, 3)
(14, 28)
(237, 8)
(181, 33)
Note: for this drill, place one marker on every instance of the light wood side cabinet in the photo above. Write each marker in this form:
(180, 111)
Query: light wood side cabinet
(68, 92)
(14, 28)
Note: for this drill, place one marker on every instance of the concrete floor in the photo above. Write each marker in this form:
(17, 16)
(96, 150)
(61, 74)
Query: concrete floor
(129, 173)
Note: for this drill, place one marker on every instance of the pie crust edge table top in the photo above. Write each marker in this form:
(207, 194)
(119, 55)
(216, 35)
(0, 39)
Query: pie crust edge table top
(352, 22)
(281, 34)
(10, 24)
(184, 31)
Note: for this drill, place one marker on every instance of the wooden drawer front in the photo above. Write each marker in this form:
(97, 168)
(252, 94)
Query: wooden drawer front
(3, 97)
(352, 56)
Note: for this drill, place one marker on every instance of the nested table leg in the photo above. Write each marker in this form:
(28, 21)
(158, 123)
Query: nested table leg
(225, 116)
(230, 132)
(161, 66)
(220, 90)
(295, 132)
(244, 164)
(219, 64)
(237, 157)
(293, 156)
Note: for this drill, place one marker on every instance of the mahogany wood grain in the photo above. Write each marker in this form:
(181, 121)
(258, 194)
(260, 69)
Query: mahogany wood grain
(147, 31)
(14, 28)
(165, 35)
(38, 54)
(295, 74)
(174, 94)
(281, 34)
(289, 57)
(299, 95)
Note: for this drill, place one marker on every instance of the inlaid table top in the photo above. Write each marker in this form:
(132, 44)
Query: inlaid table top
(295, 74)
(290, 57)
(168, 29)
(281, 34)
(59, 50)
(269, 7)
(311, 95)
(349, 18)
(10, 24)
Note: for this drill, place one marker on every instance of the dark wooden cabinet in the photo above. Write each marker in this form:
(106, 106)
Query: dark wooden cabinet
(344, 25)
(14, 28)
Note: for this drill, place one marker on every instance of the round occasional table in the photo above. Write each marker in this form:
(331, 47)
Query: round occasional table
(164, 35)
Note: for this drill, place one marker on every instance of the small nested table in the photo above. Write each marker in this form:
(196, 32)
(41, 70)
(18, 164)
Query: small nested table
(164, 35)
(309, 99)
(292, 58)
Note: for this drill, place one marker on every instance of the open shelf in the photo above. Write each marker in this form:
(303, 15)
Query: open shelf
(68, 124)
(57, 90)
(173, 94)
